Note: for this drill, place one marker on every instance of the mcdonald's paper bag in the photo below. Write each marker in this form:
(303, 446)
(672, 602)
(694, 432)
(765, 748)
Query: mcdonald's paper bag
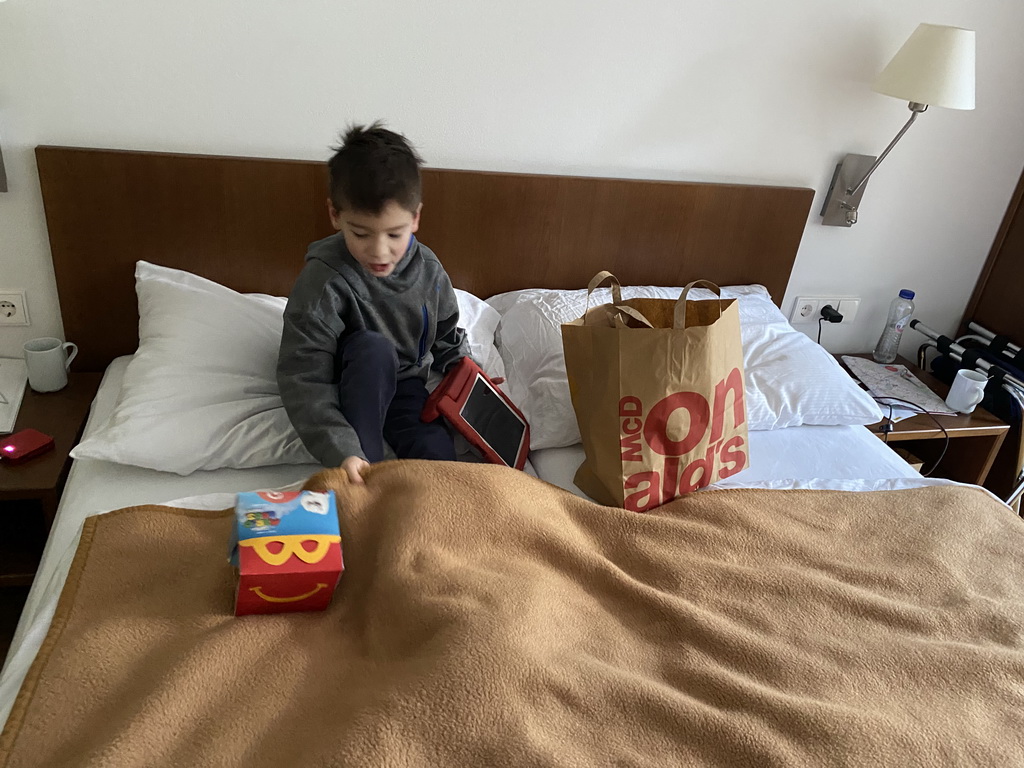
(657, 386)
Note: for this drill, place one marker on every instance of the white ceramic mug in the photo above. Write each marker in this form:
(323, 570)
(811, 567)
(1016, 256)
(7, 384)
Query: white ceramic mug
(48, 362)
(967, 391)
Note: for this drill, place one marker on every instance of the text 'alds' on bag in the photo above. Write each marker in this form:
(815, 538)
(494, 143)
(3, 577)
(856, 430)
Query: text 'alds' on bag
(657, 386)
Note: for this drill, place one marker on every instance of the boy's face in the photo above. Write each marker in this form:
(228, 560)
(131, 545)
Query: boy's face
(377, 241)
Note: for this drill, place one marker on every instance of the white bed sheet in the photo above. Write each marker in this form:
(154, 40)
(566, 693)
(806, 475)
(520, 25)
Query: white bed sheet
(841, 458)
(98, 486)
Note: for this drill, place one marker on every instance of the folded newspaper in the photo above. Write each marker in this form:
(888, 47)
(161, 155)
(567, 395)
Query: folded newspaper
(893, 383)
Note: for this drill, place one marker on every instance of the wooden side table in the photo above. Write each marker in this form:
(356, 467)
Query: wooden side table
(974, 439)
(30, 492)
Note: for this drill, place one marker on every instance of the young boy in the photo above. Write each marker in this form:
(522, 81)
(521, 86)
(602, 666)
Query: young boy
(371, 313)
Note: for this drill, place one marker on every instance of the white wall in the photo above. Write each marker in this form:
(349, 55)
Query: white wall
(744, 91)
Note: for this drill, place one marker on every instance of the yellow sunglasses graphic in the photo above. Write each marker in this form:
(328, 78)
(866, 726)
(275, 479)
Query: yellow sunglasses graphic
(292, 545)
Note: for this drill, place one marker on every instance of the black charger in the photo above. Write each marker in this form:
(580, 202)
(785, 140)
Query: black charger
(830, 313)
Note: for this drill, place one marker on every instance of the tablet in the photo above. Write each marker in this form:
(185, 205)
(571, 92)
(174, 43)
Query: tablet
(481, 413)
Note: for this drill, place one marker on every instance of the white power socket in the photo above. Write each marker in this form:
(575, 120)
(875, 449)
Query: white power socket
(13, 308)
(807, 309)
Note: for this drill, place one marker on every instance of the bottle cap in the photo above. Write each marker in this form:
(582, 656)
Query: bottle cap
(905, 294)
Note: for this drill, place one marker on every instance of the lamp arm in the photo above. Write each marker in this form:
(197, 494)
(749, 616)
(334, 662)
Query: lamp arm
(915, 110)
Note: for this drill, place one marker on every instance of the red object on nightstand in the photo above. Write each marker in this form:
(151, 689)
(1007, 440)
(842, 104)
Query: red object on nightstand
(24, 445)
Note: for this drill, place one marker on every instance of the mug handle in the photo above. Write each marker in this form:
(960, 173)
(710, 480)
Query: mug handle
(74, 351)
(977, 397)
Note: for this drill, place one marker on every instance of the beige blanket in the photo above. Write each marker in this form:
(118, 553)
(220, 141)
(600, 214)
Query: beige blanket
(488, 619)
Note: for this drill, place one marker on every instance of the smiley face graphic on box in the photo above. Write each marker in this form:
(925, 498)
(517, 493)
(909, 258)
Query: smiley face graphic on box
(287, 548)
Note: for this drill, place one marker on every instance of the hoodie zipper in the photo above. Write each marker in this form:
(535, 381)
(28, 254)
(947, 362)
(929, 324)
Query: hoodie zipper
(423, 336)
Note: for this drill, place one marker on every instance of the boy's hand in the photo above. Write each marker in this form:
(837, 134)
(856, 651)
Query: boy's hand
(355, 466)
(497, 381)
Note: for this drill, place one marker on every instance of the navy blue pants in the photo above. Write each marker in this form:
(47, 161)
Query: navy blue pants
(381, 407)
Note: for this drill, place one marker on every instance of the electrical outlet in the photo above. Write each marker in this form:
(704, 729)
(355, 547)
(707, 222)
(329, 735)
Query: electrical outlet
(804, 311)
(807, 309)
(13, 308)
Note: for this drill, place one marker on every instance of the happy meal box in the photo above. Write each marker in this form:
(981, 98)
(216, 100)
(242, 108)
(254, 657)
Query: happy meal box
(287, 548)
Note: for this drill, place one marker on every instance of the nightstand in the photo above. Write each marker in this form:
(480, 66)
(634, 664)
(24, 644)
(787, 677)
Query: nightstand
(974, 439)
(30, 492)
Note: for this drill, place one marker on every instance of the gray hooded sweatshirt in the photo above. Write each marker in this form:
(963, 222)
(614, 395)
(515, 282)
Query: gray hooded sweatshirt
(414, 307)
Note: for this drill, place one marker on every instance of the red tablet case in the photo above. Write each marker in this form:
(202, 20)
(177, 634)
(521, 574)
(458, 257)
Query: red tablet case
(450, 397)
(23, 445)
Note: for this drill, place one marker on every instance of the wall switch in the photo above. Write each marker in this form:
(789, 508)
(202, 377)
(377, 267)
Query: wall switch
(13, 308)
(808, 308)
(848, 308)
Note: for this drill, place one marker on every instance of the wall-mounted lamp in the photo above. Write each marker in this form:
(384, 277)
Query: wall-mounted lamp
(934, 67)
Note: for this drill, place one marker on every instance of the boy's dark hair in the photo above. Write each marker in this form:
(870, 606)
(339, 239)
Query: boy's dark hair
(372, 166)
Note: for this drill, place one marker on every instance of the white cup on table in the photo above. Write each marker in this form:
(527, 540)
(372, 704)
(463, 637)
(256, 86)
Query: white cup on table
(48, 361)
(967, 391)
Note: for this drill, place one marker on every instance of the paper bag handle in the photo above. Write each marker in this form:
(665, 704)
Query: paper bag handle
(679, 317)
(616, 287)
(598, 280)
(638, 316)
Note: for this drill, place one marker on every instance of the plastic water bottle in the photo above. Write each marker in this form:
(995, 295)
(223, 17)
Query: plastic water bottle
(900, 312)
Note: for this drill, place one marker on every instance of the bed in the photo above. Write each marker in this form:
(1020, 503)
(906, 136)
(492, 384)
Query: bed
(526, 243)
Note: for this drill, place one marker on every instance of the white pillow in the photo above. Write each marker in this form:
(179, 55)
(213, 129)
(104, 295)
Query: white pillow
(480, 320)
(789, 380)
(201, 391)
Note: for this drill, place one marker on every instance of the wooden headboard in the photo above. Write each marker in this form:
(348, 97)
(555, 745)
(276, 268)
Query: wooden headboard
(246, 222)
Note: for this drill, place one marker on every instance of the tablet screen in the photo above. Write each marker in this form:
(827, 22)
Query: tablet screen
(499, 426)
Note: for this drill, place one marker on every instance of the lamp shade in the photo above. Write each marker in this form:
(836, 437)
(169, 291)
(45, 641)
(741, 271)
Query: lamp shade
(935, 66)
